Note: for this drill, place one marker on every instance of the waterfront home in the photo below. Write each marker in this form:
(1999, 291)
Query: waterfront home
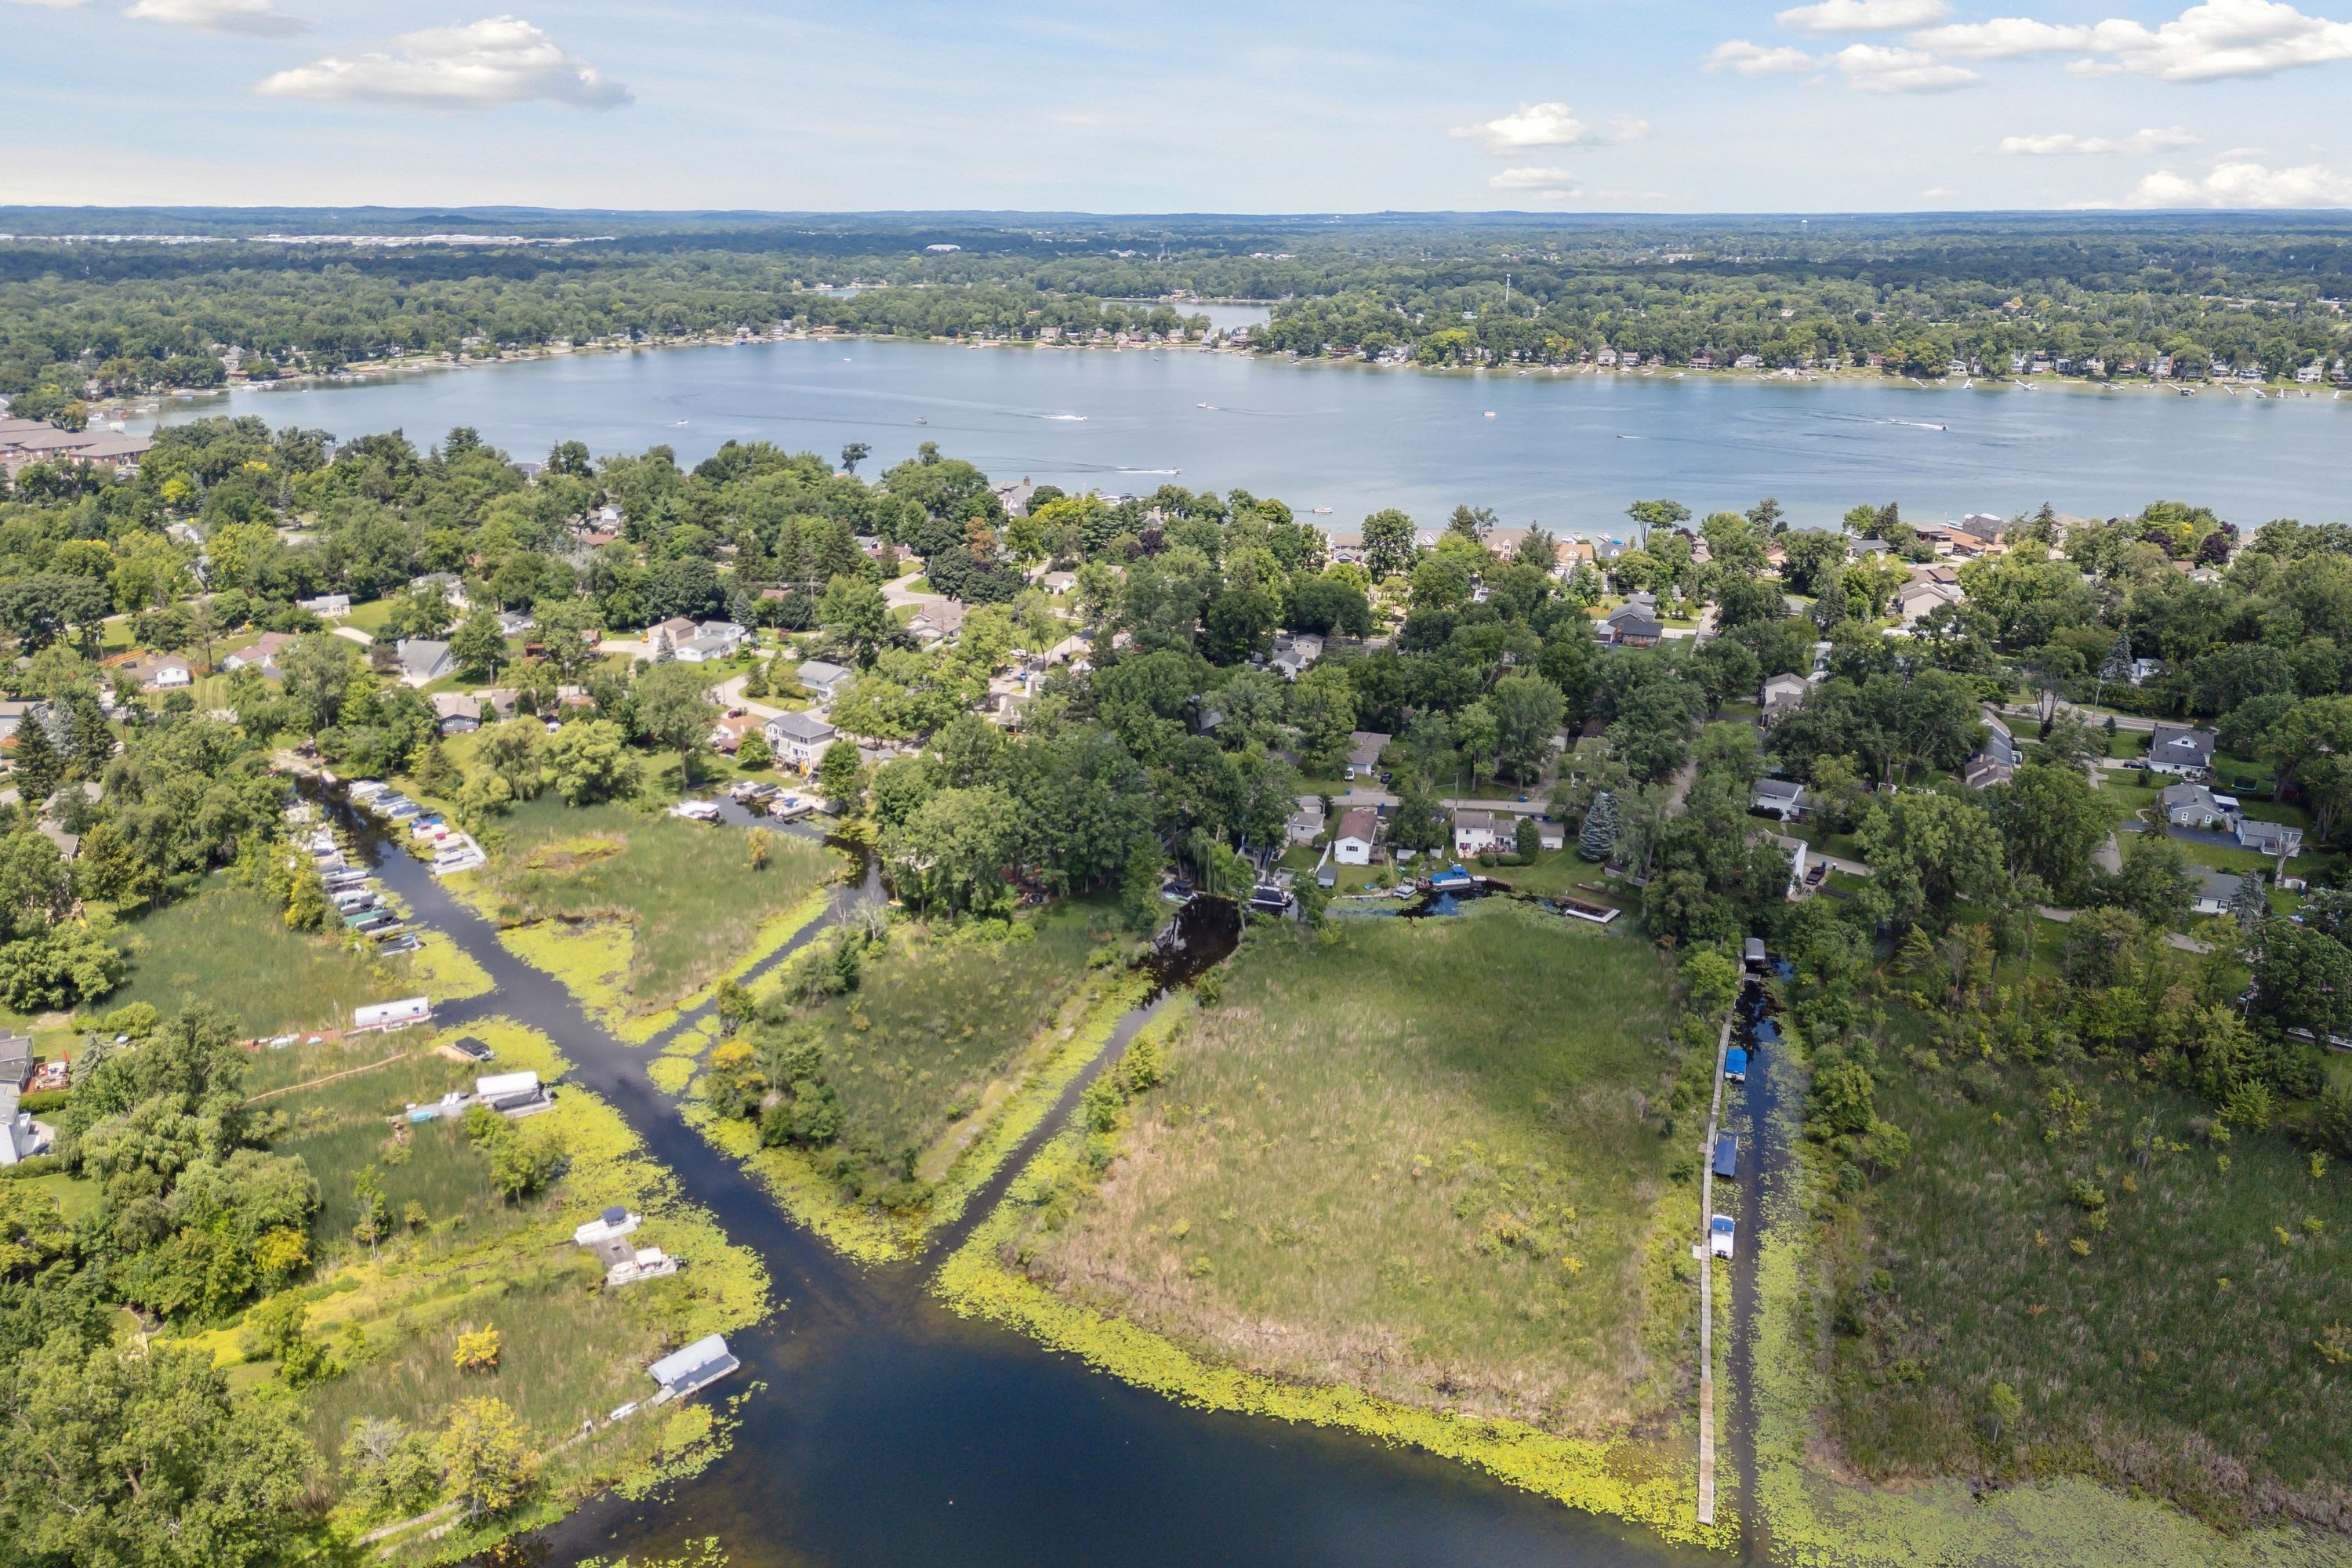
(514, 1095)
(1360, 829)
(2180, 751)
(727, 735)
(384, 1016)
(823, 681)
(704, 1362)
(422, 659)
(1476, 831)
(798, 740)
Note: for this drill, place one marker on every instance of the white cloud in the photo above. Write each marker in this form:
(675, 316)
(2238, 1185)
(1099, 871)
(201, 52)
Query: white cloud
(1531, 125)
(482, 65)
(1939, 192)
(1881, 68)
(2246, 184)
(259, 17)
(2065, 144)
(1755, 60)
(53, 4)
(1628, 128)
(1862, 15)
(1532, 180)
(2093, 69)
(2218, 39)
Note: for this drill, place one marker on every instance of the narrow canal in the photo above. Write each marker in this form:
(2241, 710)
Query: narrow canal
(887, 1431)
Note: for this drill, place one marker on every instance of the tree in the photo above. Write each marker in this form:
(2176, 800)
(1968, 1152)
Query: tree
(524, 1162)
(762, 848)
(478, 1350)
(486, 1455)
(2052, 822)
(40, 767)
(675, 711)
(1529, 840)
(1389, 546)
(853, 454)
(841, 775)
(952, 851)
(1527, 711)
(306, 903)
(1924, 850)
(512, 753)
(853, 615)
(590, 762)
(2251, 904)
(2302, 980)
(753, 752)
(478, 646)
(138, 1456)
(1598, 839)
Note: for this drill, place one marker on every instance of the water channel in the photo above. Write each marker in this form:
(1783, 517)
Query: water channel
(887, 1432)
(1569, 450)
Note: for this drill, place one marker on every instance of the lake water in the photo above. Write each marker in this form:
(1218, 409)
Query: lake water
(1567, 450)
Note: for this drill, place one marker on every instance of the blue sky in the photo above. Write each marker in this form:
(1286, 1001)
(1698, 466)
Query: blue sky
(1564, 105)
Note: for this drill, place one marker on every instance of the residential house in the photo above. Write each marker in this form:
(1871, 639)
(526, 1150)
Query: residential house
(1781, 799)
(2144, 671)
(937, 620)
(1306, 822)
(1016, 497)
(328, 606)
(824, 681)
(157, 672)
(2275, 839)
(1922, 597)
(2196, 807)
(1294, 655)
(727, 735)
(1364, 748)
(2181, 752)
(1476, 831)
(703, 649)
(1995, 762)
(13, 712)
(453, 588)
(1058, 582)
(422, 661)
(21, 1137)
(458, 713)
(1784, 694)
(1634, 624)
(16, 1061)
(665, 638)
(731, 633)
(1359, 827)
(514, 623)
(798, 740)
(261, 653)
(2215, 891)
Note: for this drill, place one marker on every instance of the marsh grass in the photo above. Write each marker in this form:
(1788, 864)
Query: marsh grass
(228, 946)
(2179, 1350)
(941, 1013)
(1372, 1163)
(686, 890)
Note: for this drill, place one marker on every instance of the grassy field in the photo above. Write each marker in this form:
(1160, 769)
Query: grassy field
(228, 946)
(675, 902)
(2165, 1305)
(470, 1258)
(1425, 1162)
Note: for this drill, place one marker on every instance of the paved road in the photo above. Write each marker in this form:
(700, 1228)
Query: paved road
(2123, 720)
(2178, 941)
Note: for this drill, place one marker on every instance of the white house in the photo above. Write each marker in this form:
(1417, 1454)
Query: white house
(2214, 891)
(798, 740)
(1783, 799)
(823, 681)
(1784, 694)
(1360, 828)
(1476, 831)
(1306, 822)
(2181, 752)
(422, 661)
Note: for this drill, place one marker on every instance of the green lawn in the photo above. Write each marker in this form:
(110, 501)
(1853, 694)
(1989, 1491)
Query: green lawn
(1425, 1161)
(2179, 1341)
(684, 892)
(228, 946)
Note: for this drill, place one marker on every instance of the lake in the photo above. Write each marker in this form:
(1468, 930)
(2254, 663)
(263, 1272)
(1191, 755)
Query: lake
(1567, 450)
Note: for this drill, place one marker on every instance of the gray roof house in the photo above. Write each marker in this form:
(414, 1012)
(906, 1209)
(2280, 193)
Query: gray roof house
(798, 738)
(1783, 799)
(1364, 748)
(2272, 838)
(422, 661)
(1996, 761)
(823, 681)
(2214, 891)
(681, 1372)
(2194, 805)
(1784, 694)
(16, 1061)
(2174, 749)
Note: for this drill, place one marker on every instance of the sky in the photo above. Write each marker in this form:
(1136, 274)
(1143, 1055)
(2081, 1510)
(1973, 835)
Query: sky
(1214, 106)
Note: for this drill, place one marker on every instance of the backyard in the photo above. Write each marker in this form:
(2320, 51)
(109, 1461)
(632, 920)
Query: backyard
(1424, 1161)
(633, 911)
(2163, 1295)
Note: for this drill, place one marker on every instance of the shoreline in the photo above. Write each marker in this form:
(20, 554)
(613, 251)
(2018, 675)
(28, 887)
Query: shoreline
(376, 370)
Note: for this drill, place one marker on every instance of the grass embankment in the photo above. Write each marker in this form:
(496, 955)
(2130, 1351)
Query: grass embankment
(1631, 1480)
(571, 1350)
(634, 912)
(1818, 1514)
(2167, 1303)
(1425, 1162)
(954, 1048)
